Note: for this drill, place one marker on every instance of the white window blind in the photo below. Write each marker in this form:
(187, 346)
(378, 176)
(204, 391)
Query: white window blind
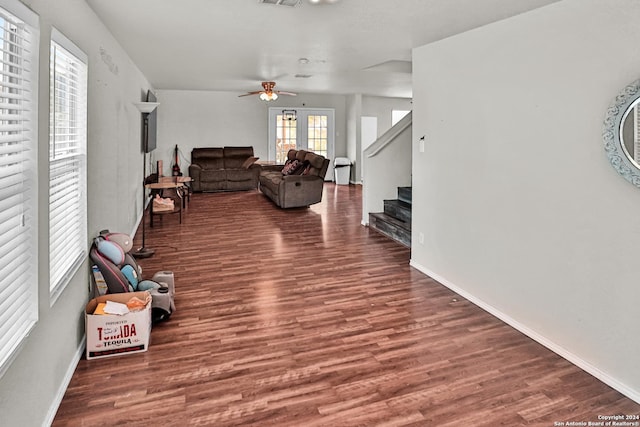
(67, 162)
(18, 191)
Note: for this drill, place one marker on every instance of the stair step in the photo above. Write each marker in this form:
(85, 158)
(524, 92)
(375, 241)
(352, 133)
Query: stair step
(391, 227)
(404, 194)
(398, 209)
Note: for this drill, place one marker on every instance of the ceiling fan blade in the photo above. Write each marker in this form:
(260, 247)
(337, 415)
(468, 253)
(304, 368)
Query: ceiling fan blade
(257, 92)
(279, 92)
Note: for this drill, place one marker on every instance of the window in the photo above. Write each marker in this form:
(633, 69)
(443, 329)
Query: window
(318, 133)
(397, 115)
(67, 162)
(18, 177)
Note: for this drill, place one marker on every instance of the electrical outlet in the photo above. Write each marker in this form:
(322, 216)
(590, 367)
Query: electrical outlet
(422, 146)
(421, 238)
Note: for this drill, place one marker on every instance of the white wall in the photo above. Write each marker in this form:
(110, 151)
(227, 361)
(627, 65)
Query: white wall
(33, 386)
(520, 208)
(216, 119)
(354, 133)
(381, 108)
(369, 134)
(373, 106)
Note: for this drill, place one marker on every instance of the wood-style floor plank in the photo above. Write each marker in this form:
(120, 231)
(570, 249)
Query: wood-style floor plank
(306, 318)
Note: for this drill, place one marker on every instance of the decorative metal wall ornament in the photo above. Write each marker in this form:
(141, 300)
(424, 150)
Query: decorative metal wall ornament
(611, 133)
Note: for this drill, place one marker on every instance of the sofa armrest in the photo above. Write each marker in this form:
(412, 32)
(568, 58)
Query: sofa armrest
(272, 167)
(194, 173)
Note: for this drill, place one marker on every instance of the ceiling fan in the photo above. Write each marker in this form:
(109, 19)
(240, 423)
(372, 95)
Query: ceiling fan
(268, 94)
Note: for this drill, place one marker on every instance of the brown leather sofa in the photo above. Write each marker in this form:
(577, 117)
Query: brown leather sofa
(223, 169)
(301, 187)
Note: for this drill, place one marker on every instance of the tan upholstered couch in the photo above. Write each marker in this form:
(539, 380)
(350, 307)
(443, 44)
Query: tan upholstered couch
(302, 187)
(223, 169)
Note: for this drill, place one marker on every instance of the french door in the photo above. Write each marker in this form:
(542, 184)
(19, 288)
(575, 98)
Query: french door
(301, 129)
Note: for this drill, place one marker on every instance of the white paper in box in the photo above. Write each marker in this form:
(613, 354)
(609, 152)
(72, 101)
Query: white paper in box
(112, 335)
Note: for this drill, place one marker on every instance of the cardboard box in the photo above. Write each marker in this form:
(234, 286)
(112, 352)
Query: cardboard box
(112, 335)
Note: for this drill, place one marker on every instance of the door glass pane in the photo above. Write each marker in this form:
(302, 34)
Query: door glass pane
(317, 134)
(285, 137)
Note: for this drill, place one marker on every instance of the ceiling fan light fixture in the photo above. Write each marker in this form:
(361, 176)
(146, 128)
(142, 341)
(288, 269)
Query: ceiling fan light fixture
(268, 96)
(267, 93)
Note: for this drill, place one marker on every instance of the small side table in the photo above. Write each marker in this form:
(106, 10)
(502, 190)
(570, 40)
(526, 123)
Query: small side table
(158, 188)
(185, 189)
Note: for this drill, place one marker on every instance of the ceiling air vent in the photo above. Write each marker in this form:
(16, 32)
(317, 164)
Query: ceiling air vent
(281, 2)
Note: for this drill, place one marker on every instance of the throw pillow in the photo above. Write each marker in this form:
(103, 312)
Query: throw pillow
(301, 168)
(251, 160)
(289, 168)
(286, 164)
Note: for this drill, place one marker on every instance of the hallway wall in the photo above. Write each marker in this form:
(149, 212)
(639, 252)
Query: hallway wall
(520, 209)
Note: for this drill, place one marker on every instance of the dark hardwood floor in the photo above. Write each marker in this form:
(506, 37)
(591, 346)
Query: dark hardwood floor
(306, 318)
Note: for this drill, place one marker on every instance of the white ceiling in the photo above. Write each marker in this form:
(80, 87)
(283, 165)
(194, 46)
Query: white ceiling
(352, 46)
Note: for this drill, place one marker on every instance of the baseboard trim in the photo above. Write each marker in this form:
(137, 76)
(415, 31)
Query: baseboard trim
(65, 383)
(558, 349)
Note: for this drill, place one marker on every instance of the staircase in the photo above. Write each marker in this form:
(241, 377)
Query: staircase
(395, 221)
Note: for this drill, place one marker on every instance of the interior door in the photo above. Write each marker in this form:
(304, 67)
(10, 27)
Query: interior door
(302, 129)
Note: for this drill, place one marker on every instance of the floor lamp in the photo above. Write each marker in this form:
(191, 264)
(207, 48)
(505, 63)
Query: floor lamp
(145, 108)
